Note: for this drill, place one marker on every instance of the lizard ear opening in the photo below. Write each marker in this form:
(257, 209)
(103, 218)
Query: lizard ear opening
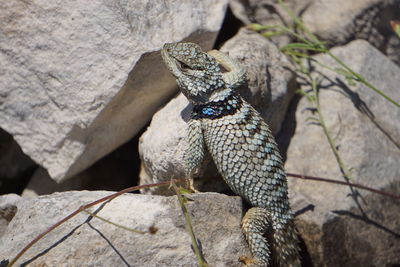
(235, 74)
(223, 69)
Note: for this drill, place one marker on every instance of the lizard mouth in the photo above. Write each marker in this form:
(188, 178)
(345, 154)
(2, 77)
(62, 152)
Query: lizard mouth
(183, 58)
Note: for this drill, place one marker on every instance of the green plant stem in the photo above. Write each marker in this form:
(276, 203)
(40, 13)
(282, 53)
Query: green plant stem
(299, 23)
(317, 46)
(188, 224)
(113, 223)
(332, 144)
(361, 79)
(332, 181)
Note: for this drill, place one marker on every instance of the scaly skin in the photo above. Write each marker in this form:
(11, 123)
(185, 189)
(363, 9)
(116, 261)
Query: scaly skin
(242, 147)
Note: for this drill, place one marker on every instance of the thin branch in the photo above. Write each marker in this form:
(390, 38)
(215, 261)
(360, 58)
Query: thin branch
(361, 79)
(110, 197)
(320, 179)
(342, 166)
(115, 224)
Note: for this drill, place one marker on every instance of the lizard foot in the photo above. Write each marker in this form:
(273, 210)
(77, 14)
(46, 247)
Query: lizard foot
(189, 184)
(250, 262)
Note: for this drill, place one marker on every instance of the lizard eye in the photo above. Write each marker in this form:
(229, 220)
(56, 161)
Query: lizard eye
(184, 66)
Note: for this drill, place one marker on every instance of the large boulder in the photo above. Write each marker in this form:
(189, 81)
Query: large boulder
(78, 79)
(340, 21)
(87, 241)
(340, 230)
(334, 22)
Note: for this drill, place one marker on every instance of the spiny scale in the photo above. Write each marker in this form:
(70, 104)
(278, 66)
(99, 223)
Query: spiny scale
(241, 145)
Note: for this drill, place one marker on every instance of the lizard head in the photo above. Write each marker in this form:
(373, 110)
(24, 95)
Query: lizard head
(197, 73)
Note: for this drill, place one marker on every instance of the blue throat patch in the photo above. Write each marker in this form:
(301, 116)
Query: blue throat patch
(218, 109)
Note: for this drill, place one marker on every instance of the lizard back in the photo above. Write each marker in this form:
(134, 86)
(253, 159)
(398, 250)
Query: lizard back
(246, 154)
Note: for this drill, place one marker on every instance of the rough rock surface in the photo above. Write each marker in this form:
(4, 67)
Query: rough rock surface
(8, 209)
(335, 22)
(340, 21)
(270, 88)
(268, 12)
(78, 79)
(366, 129)
(85, 241)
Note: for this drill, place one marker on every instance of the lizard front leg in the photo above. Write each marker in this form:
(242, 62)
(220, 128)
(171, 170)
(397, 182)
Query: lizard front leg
(195, 152)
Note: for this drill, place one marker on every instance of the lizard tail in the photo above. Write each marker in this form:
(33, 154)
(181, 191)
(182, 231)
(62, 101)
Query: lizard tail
(286, 246)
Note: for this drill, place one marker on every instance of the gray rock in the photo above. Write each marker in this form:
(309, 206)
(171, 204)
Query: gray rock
(366, 129)
(341, 21)
(162, 145)
(79, 79)
(335, 22)
(270, 88)
(8, 209)
(268, 12)
(85, 241)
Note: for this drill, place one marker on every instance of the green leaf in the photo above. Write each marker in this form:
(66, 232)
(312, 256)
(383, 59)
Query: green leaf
(184, 191)
(310, 97)
(395, 26)
(113, 223)
(268, 34)
(342, 71)
(350, 78)
(301, 92)
(295, 53)
(258, 27)
(350, 81)
(303, 46)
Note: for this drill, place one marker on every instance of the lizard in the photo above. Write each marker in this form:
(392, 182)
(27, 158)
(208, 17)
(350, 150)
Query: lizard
(226, 127)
